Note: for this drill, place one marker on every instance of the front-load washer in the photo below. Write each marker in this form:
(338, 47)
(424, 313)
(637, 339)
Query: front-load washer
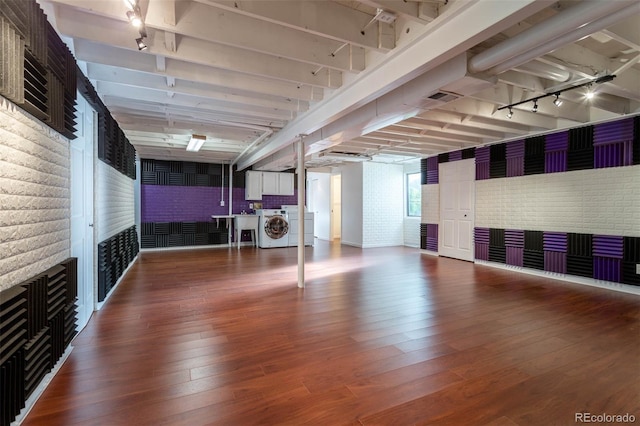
(273, 228)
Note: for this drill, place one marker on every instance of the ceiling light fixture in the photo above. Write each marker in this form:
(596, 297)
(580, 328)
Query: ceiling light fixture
(557, 102)
(141, 44)
(589, 94)
(196, 142)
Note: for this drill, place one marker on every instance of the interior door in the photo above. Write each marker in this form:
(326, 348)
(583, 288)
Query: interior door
(457, 209)
(82, 209)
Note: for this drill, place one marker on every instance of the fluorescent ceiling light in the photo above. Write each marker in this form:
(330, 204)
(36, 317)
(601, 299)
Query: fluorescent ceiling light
(196, 143)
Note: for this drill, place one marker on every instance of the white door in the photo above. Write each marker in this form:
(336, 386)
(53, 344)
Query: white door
(457, 209)
(82, 209)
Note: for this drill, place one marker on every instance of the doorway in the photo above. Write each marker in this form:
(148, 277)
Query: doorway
(82, 238)
(457, 209)
(336, 207)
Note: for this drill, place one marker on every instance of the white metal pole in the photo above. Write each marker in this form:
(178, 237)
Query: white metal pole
(301, 194)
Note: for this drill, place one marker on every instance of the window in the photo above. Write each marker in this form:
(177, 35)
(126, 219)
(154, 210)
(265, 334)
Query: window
(414, 194)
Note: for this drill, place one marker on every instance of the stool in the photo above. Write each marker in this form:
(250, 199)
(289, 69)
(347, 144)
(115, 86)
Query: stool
(246, 222)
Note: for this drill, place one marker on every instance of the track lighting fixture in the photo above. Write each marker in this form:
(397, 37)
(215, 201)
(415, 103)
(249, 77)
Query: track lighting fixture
(141, 44)
(135, 18)
(557, 101)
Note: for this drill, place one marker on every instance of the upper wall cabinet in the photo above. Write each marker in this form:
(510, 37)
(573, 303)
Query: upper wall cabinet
(277, 183)
(258, 184)
(253, 185)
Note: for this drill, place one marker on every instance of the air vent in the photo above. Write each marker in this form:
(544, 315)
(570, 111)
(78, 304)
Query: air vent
(443, 97)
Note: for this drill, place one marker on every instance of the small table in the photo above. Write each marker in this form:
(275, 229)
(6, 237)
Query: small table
(228, 219)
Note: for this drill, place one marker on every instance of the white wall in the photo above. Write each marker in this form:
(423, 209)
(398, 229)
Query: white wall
(411, 225)
(115, 204)
(352, 199)
(431, 203)
(383, 205)
(321, 203)
(34, 196)
(598, 201)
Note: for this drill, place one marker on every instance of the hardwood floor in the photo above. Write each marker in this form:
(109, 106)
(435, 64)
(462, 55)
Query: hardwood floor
(383, 336)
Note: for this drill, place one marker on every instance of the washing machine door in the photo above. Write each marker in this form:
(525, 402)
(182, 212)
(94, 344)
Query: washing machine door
(276, 227)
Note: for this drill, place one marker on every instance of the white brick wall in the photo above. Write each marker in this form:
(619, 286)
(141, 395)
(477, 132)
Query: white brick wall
(115, 206)
(383, 205)
(431, 203)
(34, 196)
(599, 201)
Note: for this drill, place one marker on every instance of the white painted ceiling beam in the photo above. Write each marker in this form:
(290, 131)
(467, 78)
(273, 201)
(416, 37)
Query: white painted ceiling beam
(323, 18)
(170, 154)
(158, 129)
(93, 52)
(452, 33)
(127, 106)
(416, 134)
(407, 9)
(207, 23)
(115, 90)
(489, 110)
(78, 24)
(431, 141)
(427, 125)
(158, 82)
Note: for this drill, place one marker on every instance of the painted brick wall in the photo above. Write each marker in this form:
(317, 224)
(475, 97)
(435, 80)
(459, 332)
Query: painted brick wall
(34, 196)
(115, 207)
(597, 201)
(382, 205)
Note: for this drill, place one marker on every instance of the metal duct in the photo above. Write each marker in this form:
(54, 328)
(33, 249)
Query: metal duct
(571, 37)
(556, 26)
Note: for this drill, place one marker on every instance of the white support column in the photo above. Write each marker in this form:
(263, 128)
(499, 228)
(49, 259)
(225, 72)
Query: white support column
(301, 194)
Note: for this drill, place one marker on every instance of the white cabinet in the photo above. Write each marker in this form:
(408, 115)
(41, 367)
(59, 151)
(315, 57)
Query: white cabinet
(277, 183)
(253, 185)
(285, 183)
(270, 183)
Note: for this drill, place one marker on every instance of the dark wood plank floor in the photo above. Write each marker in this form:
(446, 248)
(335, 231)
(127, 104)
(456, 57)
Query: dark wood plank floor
(378, 337)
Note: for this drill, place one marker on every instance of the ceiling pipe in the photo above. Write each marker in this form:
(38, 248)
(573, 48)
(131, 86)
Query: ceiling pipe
(550, 29)
(571, 37)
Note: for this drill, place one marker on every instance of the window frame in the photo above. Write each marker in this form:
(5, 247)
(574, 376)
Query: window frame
(408, 198)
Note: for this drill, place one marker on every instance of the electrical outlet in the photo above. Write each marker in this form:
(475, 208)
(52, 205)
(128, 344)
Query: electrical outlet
(638, 268)
(221, 203)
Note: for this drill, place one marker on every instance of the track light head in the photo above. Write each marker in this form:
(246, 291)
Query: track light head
(134, 18)
(141, 44)
(510, 113)
(557, 101)
(535, 106)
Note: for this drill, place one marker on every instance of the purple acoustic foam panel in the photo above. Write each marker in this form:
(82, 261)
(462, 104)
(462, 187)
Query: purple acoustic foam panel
(555, 261)
(482, 251)
(515, 167)
(482, 170)
(557, 142)
(608, 246)
(432, 244)
(455, 155)
(483, 154)
(481, 235)
(515, 256)
(613, 154)
(555, 241)
(613, 132)
(514, 238)
(432, 170)
(432, 230)
(555, 162)
(515, 149)
(606, 268)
